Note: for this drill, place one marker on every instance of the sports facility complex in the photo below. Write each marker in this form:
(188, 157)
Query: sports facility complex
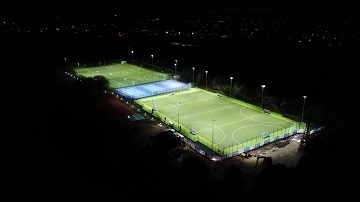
(214, 125)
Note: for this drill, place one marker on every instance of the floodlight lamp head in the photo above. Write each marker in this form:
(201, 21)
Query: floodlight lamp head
(304, 96)
(231, 77)
(263, 86)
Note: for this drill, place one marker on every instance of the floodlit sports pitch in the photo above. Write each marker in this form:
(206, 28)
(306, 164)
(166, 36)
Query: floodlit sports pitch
(122, 75)
(223, 124)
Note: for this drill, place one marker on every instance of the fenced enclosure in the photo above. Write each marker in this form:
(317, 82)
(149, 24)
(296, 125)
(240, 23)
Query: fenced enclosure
(224, 125)
(151, 89)
(122, 75)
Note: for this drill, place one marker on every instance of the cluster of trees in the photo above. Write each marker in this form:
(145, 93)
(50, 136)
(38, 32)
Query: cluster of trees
(91, 85)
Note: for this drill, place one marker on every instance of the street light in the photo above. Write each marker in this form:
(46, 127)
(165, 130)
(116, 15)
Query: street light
(152, 97)
(302, 115)
(78, 65)
(133, 90)
(175, 68)
(193, 74)
(262, 95)
(206, 79)
(125, 87)
(212, 137)
(152, 59)
(231, 78)
(132, 54)
(65, 64)
(178, 115)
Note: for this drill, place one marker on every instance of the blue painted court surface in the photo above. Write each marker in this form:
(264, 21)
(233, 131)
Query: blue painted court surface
(150, 89)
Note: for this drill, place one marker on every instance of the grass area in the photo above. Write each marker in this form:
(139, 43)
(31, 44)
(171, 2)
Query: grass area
(223, 124)
(122, 75)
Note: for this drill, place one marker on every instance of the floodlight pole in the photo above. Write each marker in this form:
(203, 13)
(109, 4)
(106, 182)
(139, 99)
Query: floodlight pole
(193, 74)
(65, 64)
(175, 69)
(132, 54)
(125, 86)
(133, 90)
(206, 79)
(178, 116)
(152, 97)
(231, 78)
(212, 137)
(262, 96)
(175, 66)
(302, 115)
(152, 59)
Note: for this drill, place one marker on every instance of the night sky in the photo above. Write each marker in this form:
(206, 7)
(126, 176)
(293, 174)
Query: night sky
(182, 7)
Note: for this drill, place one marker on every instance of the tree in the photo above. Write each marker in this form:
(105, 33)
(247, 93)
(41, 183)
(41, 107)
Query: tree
(194, 170)
(274, 181)
(245, 92)
(201, 78)
(236, 87)
(101, 83)
(91, 85)
(233, 174)
(218, 83)
(187, 75)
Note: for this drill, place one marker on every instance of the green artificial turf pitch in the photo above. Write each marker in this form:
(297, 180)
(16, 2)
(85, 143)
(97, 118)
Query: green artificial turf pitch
(228, 123)
(122, 75)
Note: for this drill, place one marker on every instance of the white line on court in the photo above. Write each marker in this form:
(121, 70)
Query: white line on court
(259, 124)
(252, 118)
